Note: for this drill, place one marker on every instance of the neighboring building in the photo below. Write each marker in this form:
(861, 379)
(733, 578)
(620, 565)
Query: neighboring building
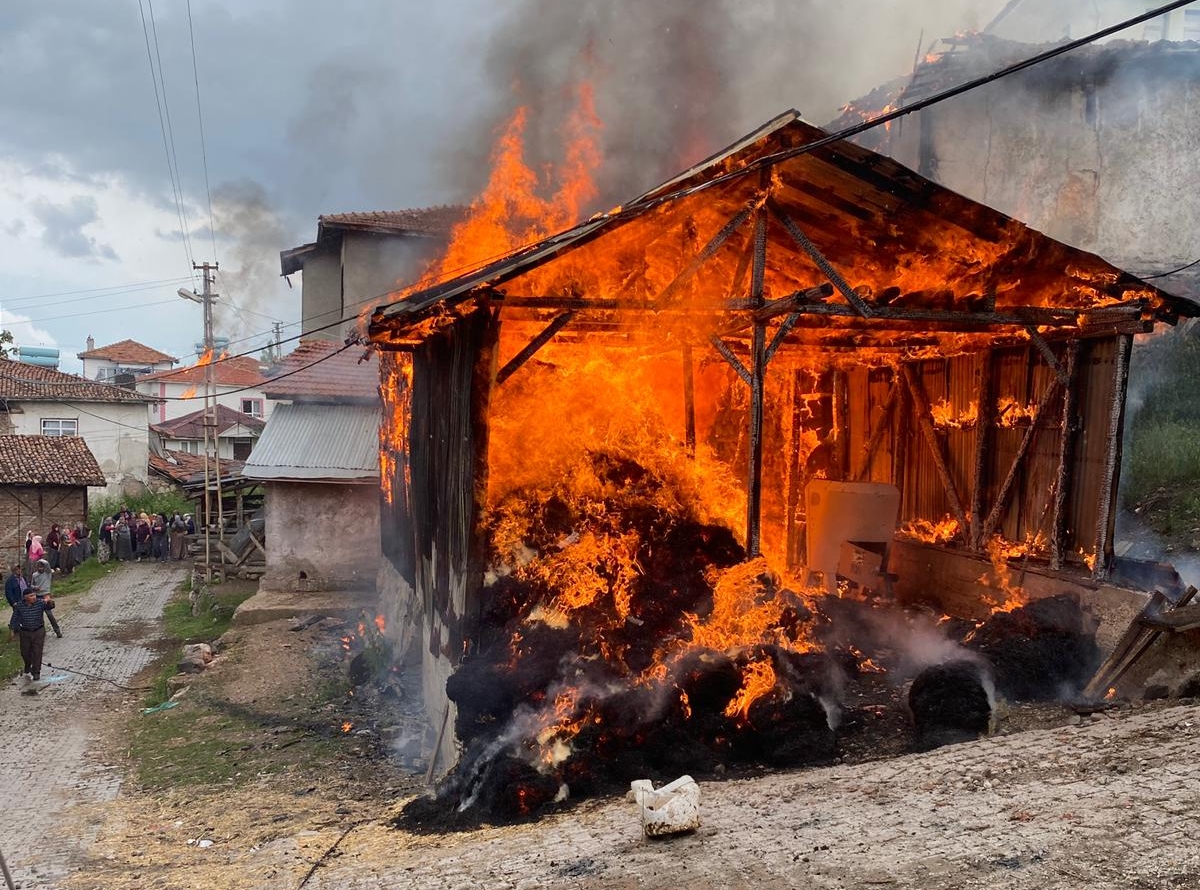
(318, 460)
(1096, 148)
(358, 258)
(36, 401)
(43, 480)
(1069, 19)
(121, 362)
(237, 385)
(236, 433)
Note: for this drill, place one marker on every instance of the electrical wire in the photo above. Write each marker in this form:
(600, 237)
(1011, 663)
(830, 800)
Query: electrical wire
(176, 191)
(59, 667)
(200, 117)
(1172, 272)
(113, 289)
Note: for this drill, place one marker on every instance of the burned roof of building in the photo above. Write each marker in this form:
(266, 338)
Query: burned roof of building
(910, 262)
(422, 222)
(48, 460)
(191, 426)
(240, 370)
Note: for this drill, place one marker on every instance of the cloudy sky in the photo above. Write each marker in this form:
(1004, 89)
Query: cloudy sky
(314, 107)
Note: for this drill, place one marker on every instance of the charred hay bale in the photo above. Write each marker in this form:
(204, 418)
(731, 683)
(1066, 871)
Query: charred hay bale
(950, 703)
(793, 724)
(1041, 651)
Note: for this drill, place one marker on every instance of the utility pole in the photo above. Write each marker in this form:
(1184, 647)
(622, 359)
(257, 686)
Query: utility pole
(277, 349)
(212, 457)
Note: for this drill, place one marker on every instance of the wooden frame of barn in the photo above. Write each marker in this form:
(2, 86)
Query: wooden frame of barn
(787, 246)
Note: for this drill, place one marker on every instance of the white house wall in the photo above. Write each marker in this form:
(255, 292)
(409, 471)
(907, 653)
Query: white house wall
(171, 408)
(115, 433)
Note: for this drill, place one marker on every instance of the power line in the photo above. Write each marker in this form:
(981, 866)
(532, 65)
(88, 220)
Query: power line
(116, 288)
(108, 311)
(1172, 272)
(200, 117)
(176, 188)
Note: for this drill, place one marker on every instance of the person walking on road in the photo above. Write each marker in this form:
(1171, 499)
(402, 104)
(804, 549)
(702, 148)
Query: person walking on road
(40, 585)
(30, 614)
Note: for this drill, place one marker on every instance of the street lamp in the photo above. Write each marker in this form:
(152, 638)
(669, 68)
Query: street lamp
(190, 295)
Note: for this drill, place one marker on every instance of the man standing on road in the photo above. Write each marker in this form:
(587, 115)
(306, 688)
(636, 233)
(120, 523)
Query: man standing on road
(40, 584)
(30, 614)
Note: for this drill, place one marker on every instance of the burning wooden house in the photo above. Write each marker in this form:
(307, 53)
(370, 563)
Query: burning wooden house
(606, 438)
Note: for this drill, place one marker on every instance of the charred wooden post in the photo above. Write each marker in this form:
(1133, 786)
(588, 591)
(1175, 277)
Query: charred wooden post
(921, 408)
(841, 423)
(758, 370)
(993, 517)
(533, 346)
(1066, 455)
(689, 401)
(983, 441)
(796, 472)
(1107, 520)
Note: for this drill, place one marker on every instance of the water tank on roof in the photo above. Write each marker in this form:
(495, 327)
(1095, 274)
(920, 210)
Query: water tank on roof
(220, 344)
(42, 356)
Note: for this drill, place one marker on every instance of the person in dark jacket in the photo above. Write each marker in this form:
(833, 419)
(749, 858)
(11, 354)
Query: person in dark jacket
(14, 591)
(30, 615)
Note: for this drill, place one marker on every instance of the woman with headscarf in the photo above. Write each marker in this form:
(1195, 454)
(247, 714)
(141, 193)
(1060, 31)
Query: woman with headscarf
(52, 543)
(36, 552)
(123, 539)
(142, 534)
(68, 553)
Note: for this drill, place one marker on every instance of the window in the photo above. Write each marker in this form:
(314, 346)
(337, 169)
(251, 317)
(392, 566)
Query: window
(1191, 24)
(59, 427)
(253, 407)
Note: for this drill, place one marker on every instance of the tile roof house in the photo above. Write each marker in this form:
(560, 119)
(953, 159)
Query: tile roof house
(43, 480)
(319, 458)
(123, 357)
(237, 385)
(357, 257)
(37, 401)
(236, 433)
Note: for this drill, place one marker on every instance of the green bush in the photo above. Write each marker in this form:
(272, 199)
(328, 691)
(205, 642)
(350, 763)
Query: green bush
(1162, 456)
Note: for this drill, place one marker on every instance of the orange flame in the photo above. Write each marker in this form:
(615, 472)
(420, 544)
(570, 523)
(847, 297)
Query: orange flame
(347, 726)
(757, 681)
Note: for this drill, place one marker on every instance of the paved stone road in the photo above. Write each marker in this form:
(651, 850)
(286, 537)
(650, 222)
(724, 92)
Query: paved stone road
(106, 633)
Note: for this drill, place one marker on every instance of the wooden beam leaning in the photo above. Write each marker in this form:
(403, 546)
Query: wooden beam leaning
(921, 408)
(983, 436)
(689, 400)
(852, 296)
(726, 353)
(885, 420)
(993, 517)
(1066, 454)
(1047, 353)
(1107, 519)
(714, 244)
(533, 346)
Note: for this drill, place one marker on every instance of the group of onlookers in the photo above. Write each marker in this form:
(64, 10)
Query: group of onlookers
(61, 549)
(145, 536)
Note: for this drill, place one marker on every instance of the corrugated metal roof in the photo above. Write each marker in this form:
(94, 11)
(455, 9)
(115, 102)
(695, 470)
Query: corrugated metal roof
(317, 442)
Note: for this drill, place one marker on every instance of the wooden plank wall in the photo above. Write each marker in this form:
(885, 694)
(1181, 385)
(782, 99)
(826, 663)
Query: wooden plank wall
(24, 508)
(430, 532)
(903, 457)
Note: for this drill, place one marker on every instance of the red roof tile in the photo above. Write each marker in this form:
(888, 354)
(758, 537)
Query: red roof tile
(317, 372)
(191, 426)
(242, 370)
(130, 351)
(47, 460)
(32, 383)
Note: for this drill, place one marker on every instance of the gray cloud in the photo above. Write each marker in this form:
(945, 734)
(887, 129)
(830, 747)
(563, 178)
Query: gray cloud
(63, 224)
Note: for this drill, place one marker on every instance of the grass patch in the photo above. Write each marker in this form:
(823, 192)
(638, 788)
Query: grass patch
(213, 613)
(82, 578)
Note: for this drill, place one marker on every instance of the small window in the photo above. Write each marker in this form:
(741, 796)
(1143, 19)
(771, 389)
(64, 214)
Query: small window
(59, 427)
(1191, 24)
(253, 407)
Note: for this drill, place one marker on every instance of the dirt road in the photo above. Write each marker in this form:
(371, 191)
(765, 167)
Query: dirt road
(49, 739)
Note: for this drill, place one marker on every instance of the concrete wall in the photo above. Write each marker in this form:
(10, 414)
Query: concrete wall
(1100, 153)
(115, 433)
(328, 531)
(321, 292)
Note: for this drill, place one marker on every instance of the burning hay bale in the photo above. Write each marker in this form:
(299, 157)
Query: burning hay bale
(1041, 651)
(624, 638)
(951, 702)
